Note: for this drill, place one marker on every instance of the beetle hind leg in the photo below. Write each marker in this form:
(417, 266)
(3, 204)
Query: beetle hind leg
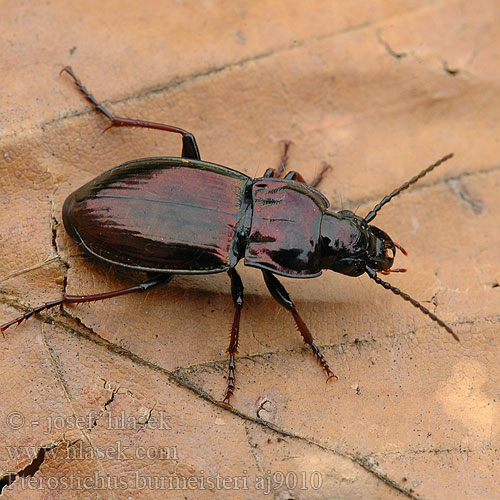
(189, 146)
(153, 282)
(281, 296)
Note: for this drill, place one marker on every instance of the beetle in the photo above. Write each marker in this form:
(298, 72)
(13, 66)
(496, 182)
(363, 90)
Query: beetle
(182, 215)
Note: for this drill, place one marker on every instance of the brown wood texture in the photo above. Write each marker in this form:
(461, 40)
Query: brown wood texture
(123, 395)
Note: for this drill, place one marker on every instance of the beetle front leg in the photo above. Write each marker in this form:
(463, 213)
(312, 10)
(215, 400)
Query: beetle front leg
(294, 176)
(237, 293)
(189, 146)
(276, 172)
(281, 296)
(153, 282)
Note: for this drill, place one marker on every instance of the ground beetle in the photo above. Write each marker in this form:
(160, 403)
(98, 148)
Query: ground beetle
(168, 216)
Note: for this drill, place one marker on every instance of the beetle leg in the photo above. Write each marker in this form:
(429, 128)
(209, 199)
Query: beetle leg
(321, 174)
(295, 176)
(281, 296)
(153, 282)
(276, 172)
(284, 158)
(189, 146)
(237, 293)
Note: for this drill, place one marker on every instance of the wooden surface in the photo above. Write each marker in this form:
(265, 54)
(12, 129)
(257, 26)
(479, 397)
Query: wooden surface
(124, 394)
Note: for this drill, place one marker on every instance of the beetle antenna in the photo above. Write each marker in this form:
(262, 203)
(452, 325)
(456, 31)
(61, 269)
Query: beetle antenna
(411, 300)
(386, 199)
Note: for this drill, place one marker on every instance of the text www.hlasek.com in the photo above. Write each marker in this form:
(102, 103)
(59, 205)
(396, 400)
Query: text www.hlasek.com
(79, 451)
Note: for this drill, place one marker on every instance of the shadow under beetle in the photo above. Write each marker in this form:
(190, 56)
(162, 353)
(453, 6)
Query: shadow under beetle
(168, 216)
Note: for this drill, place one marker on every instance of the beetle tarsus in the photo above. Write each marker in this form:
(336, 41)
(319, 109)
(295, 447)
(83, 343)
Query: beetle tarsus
(281, 296)
(323, 362)
(237, 294)
(230, 381)
(308, 339)
(324, 169)
(284, 157)
(153, 282)
(189, 146)
(31, 312)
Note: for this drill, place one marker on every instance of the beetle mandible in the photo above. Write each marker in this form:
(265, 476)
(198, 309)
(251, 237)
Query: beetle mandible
(143, 215)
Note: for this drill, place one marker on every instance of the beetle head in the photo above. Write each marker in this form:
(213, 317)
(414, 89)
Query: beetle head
(381, 250)
(350, 245)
